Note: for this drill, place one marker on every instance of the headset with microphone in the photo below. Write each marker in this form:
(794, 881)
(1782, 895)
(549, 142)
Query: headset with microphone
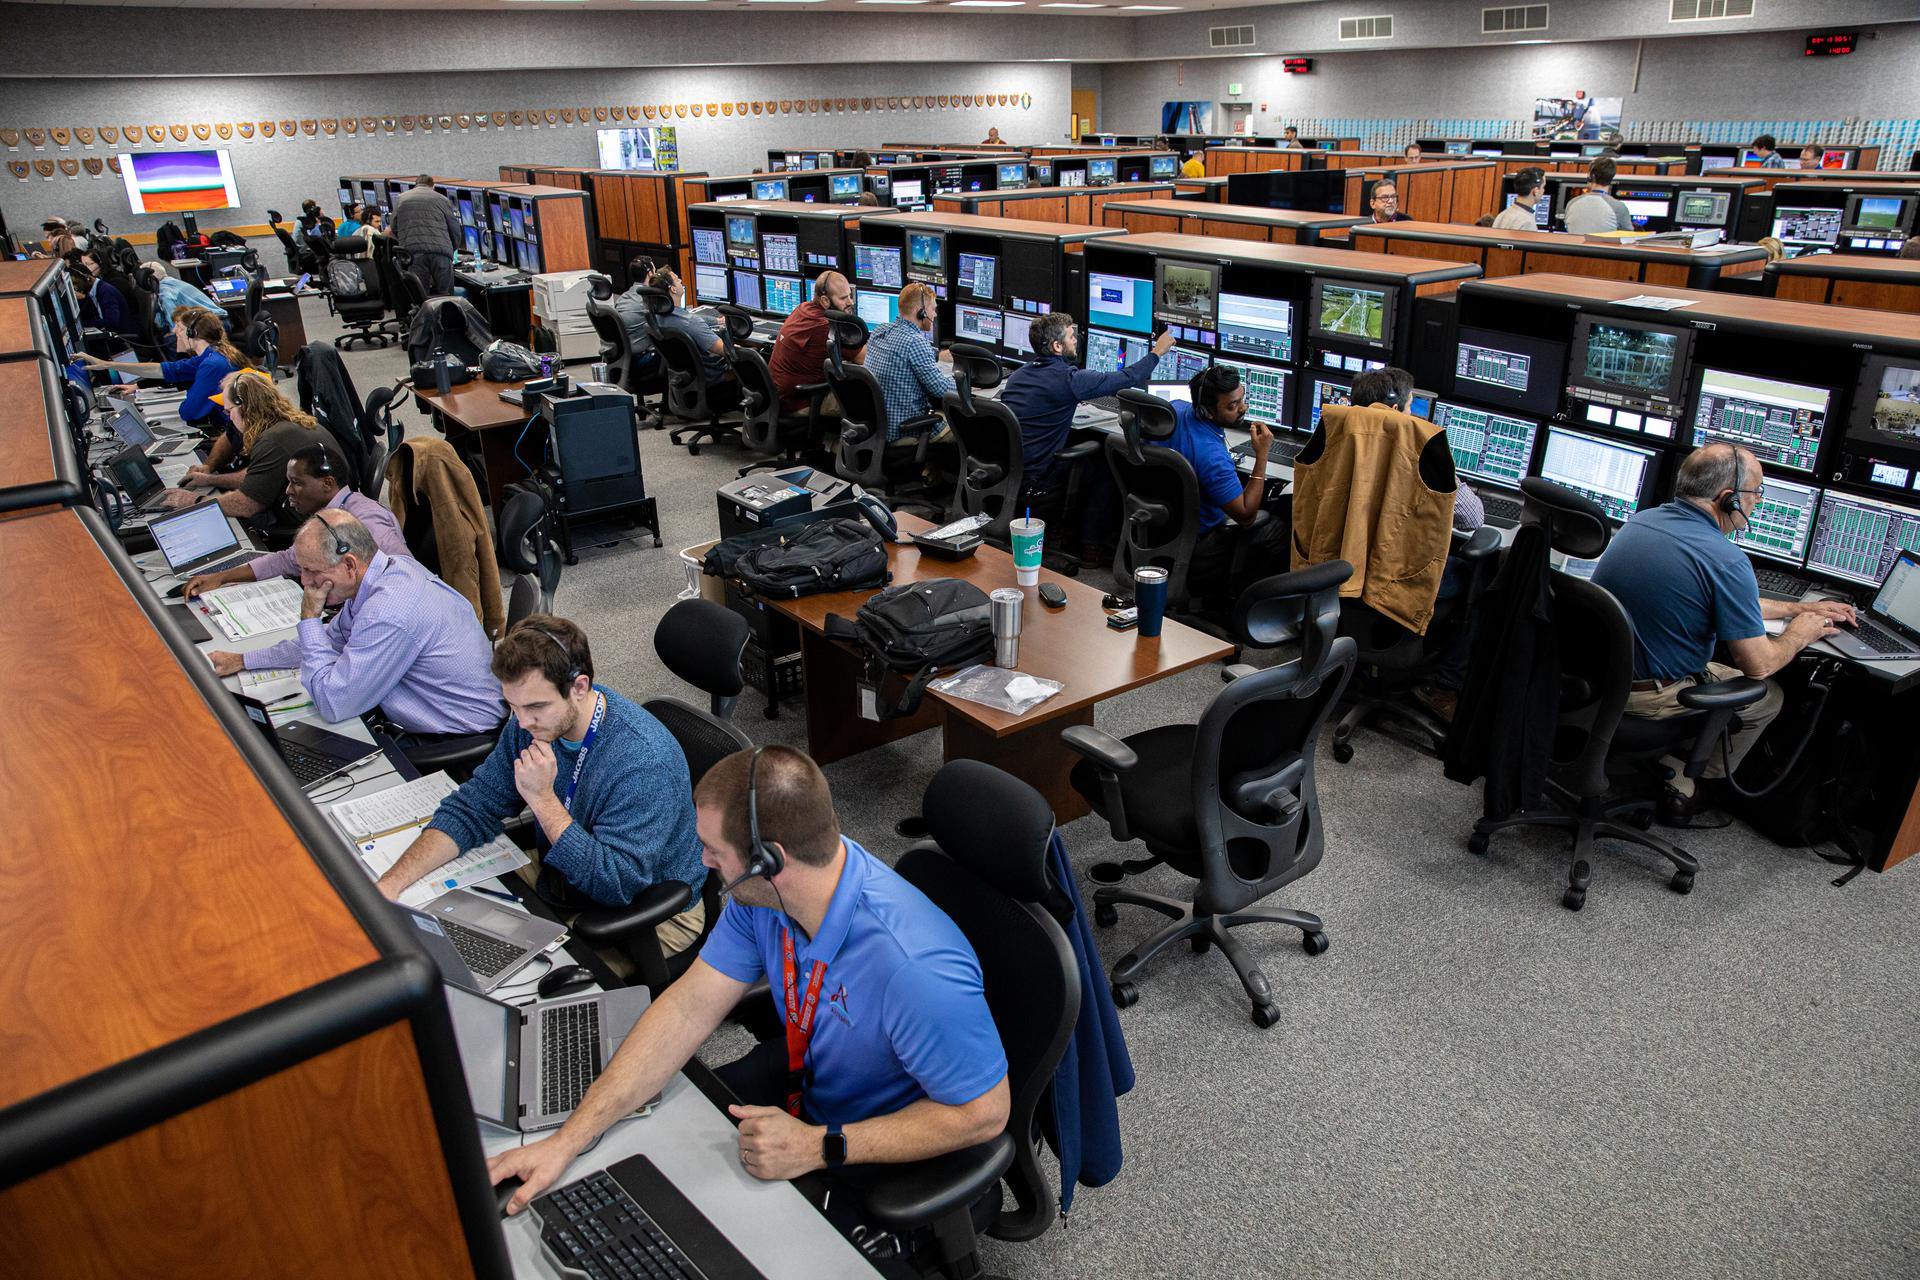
(574, 670)
(763, 859)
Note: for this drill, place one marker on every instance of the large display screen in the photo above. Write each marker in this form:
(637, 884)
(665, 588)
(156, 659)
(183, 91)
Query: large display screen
(179, 181)
(655, 148)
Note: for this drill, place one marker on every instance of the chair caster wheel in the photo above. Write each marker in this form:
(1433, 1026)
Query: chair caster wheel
(1573, 899)
(1105, 916)
(1343, 752)
(1106, 873)
(1071, 570)
(1477, 842)
(1125, 995)
(693, 451)
(1682, 882)
(1200, 946)
(771, 713)
(656, 541)
(1315, 943)
(1641, 818)
(1265, 1015)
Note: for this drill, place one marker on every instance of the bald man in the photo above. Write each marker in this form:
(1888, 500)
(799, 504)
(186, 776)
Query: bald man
(801, 350)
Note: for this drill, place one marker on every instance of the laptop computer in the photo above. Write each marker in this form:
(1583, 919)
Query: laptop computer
(528, 1066)
(480, 944)
(193, 538)
(133, 471)
(314, 754)
(1890, 626)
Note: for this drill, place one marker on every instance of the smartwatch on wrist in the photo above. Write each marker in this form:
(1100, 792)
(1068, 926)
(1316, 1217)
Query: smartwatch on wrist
(833, 1147)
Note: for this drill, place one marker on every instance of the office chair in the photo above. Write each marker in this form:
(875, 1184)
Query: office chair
(300, 258)
(1229, 802)
(688, 395)
(705, 740)
(359, 296)
(1160, 497)
(382, 432)
(402, 286)
(1596, 740)
(702, 642)
(765, 428)
(985, 866)
(1393, 660)
(452, 327)
(256, 334)
(628, 368)
(529, 552)
(863, 453)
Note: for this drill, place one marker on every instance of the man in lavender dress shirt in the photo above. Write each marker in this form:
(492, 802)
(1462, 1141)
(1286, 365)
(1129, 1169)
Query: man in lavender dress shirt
(313, 485)
(403, 641)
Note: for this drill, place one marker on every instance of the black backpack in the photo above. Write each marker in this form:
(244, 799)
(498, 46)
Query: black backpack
(919, 630)
(347, 279)
(827, 555)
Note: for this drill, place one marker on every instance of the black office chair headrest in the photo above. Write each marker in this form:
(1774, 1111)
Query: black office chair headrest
(993, 824)
(599, 287)
(976, 365)
(274, 215)
(521, 522)
(1575, 526)
(701, 643)
(349, 246)
(846, 329)
(659, 301)
(1301, 607)
(739, 320)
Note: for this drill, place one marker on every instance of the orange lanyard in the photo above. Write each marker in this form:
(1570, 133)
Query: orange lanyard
(799, 1021)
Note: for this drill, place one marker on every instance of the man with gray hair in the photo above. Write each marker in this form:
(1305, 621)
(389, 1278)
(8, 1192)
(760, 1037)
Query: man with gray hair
(1686, 588)
(402, 641)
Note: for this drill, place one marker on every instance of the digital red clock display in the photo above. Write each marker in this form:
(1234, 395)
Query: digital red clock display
(1834, 44)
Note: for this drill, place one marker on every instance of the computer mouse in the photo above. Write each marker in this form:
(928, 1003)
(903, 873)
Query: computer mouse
(1052, 596)
(178, 590)
(503, 1191)
(565, 980)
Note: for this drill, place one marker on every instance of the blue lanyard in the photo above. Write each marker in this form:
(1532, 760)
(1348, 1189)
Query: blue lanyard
(586, 745)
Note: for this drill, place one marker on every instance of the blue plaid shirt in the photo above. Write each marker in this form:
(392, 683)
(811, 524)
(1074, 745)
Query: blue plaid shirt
(908, 370)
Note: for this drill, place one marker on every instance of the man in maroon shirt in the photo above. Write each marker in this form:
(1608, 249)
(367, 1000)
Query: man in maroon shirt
(801, 349)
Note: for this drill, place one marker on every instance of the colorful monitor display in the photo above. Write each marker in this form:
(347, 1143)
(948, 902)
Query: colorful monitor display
(179, 181)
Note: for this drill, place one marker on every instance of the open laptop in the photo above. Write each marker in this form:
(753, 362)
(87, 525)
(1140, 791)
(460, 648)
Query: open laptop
(314, 754)
(480, 944)
(1890, 626)
(132, 429)
(133, 471)
(193, 538)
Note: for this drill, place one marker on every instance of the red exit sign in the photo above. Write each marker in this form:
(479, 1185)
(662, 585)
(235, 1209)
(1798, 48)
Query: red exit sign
(1833, 44)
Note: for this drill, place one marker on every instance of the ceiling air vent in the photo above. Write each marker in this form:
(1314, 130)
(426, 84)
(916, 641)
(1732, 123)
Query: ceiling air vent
(1522, 17)
(1380, 28)
(1230, 37)
(1702, 10)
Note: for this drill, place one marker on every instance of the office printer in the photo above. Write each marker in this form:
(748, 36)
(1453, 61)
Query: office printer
(789, 495)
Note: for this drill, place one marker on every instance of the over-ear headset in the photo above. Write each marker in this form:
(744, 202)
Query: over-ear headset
(1729, 505)
(763, 859)
(1206, 387)
(574, 671)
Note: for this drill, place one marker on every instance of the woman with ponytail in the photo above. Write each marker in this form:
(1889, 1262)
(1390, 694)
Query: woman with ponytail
(209, 357)
(272, 429)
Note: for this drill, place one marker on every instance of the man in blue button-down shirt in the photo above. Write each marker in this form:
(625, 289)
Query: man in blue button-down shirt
(403, 641)
(903, 360)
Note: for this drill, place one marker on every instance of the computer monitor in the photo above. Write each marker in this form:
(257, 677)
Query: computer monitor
(946, 179)
(877, 265)
(1269, 392)
(1751, 159)
(1107, 352)
(346, 198)
(743, 236)
(1610, 474)
(1701, 208)
(770, 189)
(1171, 392)
(1253, 326)
(1351, 311)
(979, 277)
(1629, 363)
(1782, 521)
(843, 186)
(1780, 422)
(1184, 292)
(1802, 229)
(517, 219)
(1161, 168)
(1073, 177)
(1041, 173)
(1121, 302)
(1321, 392)
(1708, 163)
(927, 256)
(908, 193)
(1509, 369)
(1645, 205)
(1487, 151)
(471, 235)
(1101, 173)
(163, 182)
(1858, 538)
(1886, 403)
(780, 252)
(1488, 446)
(876, 308)
(1542, 210)
(1836, 158)
(783, 293)
(709, 283)
(977, 324)
(1420, 404)
(1015, 335)
(1889, 215)
(1180, 364)
(746, 289)
(1011, 177)
(466, 211)
(1461, 147)
(710, 246)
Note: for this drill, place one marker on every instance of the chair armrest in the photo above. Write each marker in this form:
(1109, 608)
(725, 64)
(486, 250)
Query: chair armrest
(921, 428)
(1100, 747)
(1479, 544)
(611, 926)
(924, 1192)
(1727, 695)
(1238, 669)
(1075, 452)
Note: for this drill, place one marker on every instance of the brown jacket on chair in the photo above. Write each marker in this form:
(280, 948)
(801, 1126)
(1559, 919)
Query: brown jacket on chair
(1359, 495)
(460, 530)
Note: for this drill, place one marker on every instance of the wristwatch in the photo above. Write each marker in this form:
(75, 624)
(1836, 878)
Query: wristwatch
(833, 1147)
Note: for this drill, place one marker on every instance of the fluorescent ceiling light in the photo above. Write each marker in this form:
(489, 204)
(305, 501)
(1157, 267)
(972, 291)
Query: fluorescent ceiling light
(985, 4)
(1155, 7)
(1072, 4)
(891, 1)
(783, 1)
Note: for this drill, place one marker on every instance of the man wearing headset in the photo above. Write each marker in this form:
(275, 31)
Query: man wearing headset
(402, 641)
(1686, 588)
(890, 1053)
(1218, 404)
(314, 484)
(905, 363)
(605, 781)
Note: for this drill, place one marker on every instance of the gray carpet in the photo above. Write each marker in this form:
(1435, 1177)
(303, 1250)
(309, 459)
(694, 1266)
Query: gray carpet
(1472, 1081)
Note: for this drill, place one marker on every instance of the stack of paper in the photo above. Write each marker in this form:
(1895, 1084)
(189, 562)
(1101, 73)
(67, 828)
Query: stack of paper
(270, 684)
(244, 609)
(384, 826)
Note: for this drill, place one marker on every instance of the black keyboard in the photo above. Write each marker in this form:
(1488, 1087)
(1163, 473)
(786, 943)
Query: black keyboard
(1110, 403)
(569, 1054)
(485, 955)
(308, 767)
(1879, 639)
(629, 1221)
(1499, 509)
(1781, 583)
(1281, 450)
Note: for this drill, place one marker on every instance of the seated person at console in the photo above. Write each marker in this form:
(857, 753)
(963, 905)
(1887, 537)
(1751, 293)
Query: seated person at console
(1686, 587)
(906, 364)
(607, 785)
(270, 429)
(209, 357)
(1218, 405)
(800, 352)
(904, 1060)
(723, 389)
(1043, 395)
(1383, 202)
(175, 295)
(314, 484)
(1529, 187)
(1597, 212)
(403, 641)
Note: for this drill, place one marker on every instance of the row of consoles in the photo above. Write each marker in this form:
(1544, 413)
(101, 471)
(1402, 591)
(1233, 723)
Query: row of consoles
(1701, 157)
(1806, 219)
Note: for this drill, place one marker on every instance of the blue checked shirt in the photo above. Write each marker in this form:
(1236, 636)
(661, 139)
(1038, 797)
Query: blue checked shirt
(908, 370)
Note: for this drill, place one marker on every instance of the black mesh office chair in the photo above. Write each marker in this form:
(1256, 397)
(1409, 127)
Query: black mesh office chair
(382, 432)
(1596, 740)
(705, 740)
(300, 258)
(702, 642)
(1160, 496)
(986, 868)
(403, 287)
(529, 552)
(689, 396)
(765, 428)
(1228, 802)
(256, 334)
(359, 294)
(863, 454)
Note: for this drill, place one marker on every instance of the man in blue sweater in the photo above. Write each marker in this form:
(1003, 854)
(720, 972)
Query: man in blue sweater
(606, 782)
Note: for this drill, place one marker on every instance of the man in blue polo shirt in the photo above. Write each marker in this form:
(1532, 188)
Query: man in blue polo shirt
(890, 1053)
(1218, 403)
(1685, 587)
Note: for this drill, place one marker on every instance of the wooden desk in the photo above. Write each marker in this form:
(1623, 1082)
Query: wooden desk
(1512, 253)
(17, 324)
(1849, 280)
(38, 466)
(1073, 645)
(1231, 221)
(1080, 206)
(475, 419)
(283, 309)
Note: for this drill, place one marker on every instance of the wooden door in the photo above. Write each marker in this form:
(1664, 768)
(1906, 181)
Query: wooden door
(1086, 113)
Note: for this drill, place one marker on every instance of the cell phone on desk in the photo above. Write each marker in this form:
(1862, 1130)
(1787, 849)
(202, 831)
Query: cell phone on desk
(1124, 619)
